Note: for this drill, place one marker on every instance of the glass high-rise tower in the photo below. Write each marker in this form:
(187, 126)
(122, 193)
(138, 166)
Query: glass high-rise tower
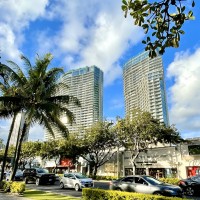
(144, 86)
(87, 85)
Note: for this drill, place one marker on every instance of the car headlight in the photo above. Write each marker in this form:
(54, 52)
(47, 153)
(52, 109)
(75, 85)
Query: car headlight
(169, 191)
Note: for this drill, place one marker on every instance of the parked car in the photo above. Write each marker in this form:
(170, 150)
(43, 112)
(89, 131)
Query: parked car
(190, 186)
(39, 176)
(18, 175)
(145, 184)
(76, 181)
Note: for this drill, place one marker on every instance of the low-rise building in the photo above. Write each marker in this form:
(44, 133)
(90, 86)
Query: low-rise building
(179, 161)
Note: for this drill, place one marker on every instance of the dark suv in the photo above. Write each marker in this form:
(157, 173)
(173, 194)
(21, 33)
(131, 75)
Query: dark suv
(39, 176)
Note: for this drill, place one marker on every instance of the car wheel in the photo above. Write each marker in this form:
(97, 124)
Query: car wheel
(37, 182)
(77, 187)
(119, 189)
(189, 191)
(62, 185)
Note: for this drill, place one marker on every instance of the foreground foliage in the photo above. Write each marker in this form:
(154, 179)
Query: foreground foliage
(94, 194)
(163, 20)
(13, 187)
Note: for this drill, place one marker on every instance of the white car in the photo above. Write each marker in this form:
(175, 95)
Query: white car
(76, 181)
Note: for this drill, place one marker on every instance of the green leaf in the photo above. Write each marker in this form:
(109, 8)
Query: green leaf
(153, 33)
(144, 42)
(124, 2)
(193, 4)
(183, 9)
(190, 14)
(181, 32)
(124, 8)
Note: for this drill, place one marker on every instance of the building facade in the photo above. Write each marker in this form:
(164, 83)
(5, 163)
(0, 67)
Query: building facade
(87, 85)
(144, 86)
(162, 161)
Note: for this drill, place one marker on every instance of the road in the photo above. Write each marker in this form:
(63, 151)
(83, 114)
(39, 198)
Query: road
(56, 189)
(71, 192)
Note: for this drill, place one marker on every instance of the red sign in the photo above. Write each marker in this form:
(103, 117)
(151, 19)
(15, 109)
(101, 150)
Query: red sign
(66, 162)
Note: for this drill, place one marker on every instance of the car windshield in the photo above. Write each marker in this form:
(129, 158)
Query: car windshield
(18, 172)
(80, 176)
(152, 180)
(42, 171)
(196, 178)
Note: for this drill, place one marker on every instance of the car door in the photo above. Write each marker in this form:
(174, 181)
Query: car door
(66, 180)
(126, 184)
(141, 186)
(72, 180)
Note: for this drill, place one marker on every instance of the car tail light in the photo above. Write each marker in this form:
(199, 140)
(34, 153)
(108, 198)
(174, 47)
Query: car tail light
(182, 183)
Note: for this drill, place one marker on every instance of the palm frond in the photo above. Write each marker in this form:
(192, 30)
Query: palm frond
(27, 62)
(44, 121)
(58, 125)
(14, 73)
(65, 99)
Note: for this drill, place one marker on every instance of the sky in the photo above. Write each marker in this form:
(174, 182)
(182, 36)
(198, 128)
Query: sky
(97, 33)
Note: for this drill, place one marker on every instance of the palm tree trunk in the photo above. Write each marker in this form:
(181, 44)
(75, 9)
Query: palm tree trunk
(7, 146)
(18, 136)
(24, 130)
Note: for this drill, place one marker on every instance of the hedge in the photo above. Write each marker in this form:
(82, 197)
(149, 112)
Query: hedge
(13, 186)
(94, 194)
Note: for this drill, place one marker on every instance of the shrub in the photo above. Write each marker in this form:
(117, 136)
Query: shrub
(173, 181)
(104, 177)
(12, 186)
(17, 187)
(6, 186)
(94, 194)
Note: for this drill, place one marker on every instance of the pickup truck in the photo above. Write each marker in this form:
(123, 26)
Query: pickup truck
(39, 176)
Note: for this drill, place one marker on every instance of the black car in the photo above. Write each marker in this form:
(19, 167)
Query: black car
(190, 186)
(39, 176)
(145, 184)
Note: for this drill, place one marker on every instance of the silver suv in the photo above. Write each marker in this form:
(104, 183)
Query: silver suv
(76, 181)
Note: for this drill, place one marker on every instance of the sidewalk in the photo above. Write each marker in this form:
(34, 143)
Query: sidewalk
(6, 196)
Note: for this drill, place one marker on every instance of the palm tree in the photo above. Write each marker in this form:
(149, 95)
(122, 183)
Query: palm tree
(6, 89)
(38, 97)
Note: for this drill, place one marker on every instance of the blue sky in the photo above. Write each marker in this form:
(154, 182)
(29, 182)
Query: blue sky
(96, 33)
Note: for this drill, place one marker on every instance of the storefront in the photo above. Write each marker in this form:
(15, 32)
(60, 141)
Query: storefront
(193, 171)
(163, 172)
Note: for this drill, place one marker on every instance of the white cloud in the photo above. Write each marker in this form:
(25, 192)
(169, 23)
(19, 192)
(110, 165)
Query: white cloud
(7, 41)
(94, 33)
(15, 17)
(184, 94)
(90, 33)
